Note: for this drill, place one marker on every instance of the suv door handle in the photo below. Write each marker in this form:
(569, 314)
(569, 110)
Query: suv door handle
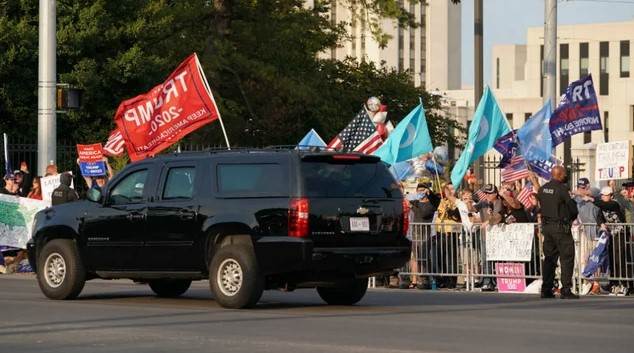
(135, 216)
(186, 215)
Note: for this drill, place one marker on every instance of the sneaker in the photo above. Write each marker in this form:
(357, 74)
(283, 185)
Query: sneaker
(623, 290)
(568, 295)
(585, 288)
(614, 290)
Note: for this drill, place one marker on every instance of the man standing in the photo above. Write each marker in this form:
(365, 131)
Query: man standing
(64, 193)
(558, 212)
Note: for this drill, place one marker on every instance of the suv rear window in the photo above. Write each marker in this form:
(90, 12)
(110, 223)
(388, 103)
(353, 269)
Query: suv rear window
(324, 179)
(256, 178)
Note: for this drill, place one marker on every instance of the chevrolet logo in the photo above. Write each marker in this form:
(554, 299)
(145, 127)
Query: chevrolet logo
(362, 210)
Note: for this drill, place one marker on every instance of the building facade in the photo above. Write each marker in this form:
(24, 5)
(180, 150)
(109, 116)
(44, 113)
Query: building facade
(517, 81)
(431, 52)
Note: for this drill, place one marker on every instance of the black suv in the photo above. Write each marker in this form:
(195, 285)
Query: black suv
(247, 220)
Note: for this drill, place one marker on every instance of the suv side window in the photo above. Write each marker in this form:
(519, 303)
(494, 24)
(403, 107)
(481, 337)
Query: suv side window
(179, 183)
(257, 178)
(129, 189)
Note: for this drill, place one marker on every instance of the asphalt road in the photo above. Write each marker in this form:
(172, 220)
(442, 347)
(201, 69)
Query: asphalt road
(121, 316)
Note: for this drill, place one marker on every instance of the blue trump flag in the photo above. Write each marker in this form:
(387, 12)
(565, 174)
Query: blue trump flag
(488, 124)
(534, 136)
(311, 139)
(409, 139)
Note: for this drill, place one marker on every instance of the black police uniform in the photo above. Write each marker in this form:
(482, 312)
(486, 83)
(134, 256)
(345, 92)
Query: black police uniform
(64, 193)
(558, 212)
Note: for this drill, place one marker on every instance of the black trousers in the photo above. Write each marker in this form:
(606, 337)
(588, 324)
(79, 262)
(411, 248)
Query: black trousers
(558, 244)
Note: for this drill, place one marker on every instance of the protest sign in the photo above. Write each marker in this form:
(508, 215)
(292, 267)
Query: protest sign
(91, 160)
(514, 284)
(613, 160)
(16, 219)
(510, 242)
(49, 184)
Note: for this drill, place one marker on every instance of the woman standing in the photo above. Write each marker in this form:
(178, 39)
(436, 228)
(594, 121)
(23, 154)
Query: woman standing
(36, 189)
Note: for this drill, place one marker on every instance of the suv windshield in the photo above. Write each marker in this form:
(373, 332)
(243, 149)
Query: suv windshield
(324, 179)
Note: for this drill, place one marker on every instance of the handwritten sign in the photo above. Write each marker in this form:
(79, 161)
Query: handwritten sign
(49, 184)
(510, 284)
(510, 242)
(16, 219)
(613, 160)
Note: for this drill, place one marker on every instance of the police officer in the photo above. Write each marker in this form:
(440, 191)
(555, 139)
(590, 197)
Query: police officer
(558, 212)
(64, 193)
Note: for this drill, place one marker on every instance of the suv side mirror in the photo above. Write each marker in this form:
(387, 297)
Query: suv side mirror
(94, 195)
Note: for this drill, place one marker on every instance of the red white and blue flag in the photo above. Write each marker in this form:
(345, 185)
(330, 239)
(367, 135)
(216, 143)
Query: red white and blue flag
(360, 135)
(515, 171)
(524, 196)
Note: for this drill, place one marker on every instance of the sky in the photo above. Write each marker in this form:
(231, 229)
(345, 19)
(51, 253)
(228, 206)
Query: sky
(506, 22)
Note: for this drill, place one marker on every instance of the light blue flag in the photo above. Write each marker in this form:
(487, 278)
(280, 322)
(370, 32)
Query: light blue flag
(488, 124)
(409, 139)
(536, 143)
(311, 139)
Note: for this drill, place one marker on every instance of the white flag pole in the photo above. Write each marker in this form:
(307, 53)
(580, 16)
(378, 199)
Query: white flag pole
(222, 125)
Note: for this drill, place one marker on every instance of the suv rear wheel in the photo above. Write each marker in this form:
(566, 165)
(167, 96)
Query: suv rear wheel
(60, 273)
(346, 294)
(169, 288)
(234, 278)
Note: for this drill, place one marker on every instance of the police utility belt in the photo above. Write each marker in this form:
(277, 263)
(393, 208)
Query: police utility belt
(558, 222)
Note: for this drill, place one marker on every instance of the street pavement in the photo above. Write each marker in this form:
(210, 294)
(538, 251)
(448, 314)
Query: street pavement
(122, 316)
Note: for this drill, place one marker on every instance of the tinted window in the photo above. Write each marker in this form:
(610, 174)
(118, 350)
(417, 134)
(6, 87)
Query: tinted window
(348, 180)
(129, 189)
(179, 183)
(252, 178)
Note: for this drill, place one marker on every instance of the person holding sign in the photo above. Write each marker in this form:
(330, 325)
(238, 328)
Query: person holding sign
(558, 212)
(98, 181)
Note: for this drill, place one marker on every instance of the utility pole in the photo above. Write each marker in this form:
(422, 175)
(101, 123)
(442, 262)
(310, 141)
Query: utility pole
(479, 69)
(46, 87)
(550, 66)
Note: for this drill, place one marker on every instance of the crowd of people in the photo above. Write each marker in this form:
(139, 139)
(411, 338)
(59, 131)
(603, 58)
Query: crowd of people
(21, 183)
(559, 211)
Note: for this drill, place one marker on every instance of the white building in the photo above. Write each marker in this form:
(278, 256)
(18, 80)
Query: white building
(601, 49)
(431, 53)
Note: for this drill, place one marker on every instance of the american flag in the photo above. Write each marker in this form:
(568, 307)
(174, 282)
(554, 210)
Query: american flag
(360, 135)
(114, 145)
(516, 170)
(480, 194)
(525, 194)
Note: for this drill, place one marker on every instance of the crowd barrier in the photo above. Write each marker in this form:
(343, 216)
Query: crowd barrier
(450, 255)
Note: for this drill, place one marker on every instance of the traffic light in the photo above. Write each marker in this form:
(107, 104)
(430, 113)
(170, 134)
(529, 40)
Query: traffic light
(69, 98)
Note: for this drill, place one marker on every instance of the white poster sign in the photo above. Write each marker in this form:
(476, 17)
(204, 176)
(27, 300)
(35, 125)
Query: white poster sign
(49, 184)
(510, 242)
(613, 160)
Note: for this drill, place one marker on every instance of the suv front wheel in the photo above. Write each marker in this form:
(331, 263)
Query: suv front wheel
(346, 294)
(234, 278)
(60, 273)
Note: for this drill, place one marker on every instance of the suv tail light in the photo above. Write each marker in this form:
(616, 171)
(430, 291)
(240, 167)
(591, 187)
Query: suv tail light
(405, 216)
(298, 217)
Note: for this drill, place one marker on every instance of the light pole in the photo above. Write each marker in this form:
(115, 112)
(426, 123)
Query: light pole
(46, 87)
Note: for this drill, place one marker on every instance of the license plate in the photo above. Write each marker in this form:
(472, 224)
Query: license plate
(359, 224)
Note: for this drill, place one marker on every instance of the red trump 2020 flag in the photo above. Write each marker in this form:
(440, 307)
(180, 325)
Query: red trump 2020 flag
(151, 122)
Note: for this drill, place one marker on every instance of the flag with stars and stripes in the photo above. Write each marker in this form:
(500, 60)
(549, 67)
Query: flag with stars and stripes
(360, 135)
(524, 196)
(515, 171)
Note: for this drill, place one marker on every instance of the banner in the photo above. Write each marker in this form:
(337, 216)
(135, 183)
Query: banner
(613, 160)
(543, 168)
(151, 122)
(510, 242)
(91, 160)
(577, 112)
(16, 219)
(115, 144)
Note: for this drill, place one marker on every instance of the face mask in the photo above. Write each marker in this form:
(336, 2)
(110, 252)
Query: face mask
(565, 180)
(421, 195)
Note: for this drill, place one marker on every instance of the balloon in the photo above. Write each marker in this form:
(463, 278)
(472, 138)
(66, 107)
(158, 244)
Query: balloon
(441, 154)
(373, 104)
(434, 167)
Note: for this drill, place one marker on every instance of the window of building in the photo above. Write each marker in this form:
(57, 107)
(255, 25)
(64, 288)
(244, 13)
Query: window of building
(423, 44)
(509, 118)
(606, 126)
(451, 148)
(625, 58)
(527, 116)
(584, 61)
(541, 71)
(587, 136)
(497, 72)
(604, 69)
(564, 65)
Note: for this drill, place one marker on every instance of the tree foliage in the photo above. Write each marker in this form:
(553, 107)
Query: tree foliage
(260, 58)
